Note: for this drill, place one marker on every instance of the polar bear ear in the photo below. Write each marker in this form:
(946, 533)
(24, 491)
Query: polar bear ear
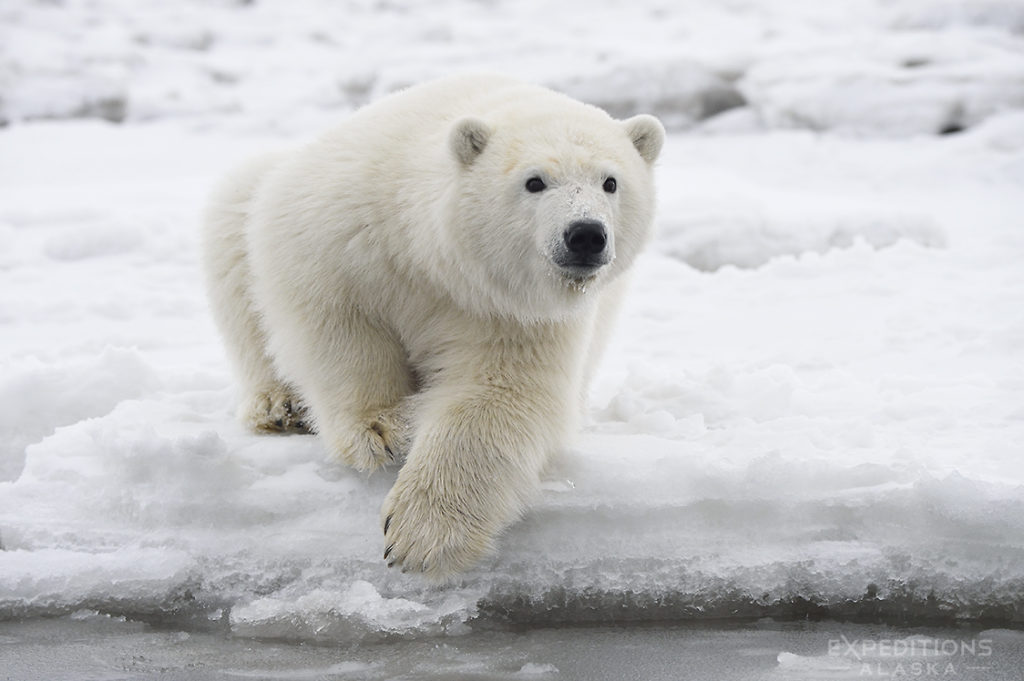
(647, 135)
(468, 138)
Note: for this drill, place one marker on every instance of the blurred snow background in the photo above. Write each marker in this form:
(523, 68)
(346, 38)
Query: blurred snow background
(814, 404)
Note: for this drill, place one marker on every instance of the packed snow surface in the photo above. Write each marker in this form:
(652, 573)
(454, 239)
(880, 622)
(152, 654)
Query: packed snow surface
(814, 401)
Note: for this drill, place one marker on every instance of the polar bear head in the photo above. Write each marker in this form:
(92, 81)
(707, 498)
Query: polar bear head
(550, 203)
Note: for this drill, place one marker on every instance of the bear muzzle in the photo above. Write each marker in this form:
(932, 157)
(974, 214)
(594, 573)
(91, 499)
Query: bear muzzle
(586, 249)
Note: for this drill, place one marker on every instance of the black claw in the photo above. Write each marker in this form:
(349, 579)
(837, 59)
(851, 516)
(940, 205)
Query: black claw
(387, 523)
(390, 453)
(391, 564)
(387, 551)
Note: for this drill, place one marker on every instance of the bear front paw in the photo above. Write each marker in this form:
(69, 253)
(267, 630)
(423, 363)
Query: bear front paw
(276, 411)
(430, 532)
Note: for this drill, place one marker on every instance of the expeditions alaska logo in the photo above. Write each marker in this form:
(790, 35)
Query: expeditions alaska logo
(914, 656)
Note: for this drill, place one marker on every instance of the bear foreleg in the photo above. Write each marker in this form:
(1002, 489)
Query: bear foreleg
(476, 461)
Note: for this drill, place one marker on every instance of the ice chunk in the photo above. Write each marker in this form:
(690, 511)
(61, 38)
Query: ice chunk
(353, 613)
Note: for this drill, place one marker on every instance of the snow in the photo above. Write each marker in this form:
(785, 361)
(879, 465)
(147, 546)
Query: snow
(813, 403)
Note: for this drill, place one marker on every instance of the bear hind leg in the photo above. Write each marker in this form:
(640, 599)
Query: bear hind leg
(354, 378)
(268, 404)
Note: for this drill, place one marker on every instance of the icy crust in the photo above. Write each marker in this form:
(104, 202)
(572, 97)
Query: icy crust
(263, 536)
(57, 581)
(884, 545)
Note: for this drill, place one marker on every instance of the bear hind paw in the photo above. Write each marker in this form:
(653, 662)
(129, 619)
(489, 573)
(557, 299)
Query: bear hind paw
(276, 411)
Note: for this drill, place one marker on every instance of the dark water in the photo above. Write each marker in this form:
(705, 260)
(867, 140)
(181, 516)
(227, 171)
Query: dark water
(95, 647)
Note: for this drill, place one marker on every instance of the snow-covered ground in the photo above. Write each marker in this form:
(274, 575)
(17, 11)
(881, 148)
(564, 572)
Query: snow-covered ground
(814, 403)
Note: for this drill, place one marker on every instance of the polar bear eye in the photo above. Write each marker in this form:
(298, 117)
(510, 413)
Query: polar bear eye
(535, 184)
(610, 185)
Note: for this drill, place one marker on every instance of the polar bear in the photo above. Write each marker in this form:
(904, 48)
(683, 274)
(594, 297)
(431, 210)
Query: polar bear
(433, 280)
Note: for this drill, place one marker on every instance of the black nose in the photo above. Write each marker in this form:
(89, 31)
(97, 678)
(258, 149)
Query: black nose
(585, 238)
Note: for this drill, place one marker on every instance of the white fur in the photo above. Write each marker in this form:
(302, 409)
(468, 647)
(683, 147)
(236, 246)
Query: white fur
(392, 283)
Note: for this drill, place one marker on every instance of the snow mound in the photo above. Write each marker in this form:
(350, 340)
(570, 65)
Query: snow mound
(750, 238)
(1002, 15)
(681, 93)
(893, 85)
(53, 394)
